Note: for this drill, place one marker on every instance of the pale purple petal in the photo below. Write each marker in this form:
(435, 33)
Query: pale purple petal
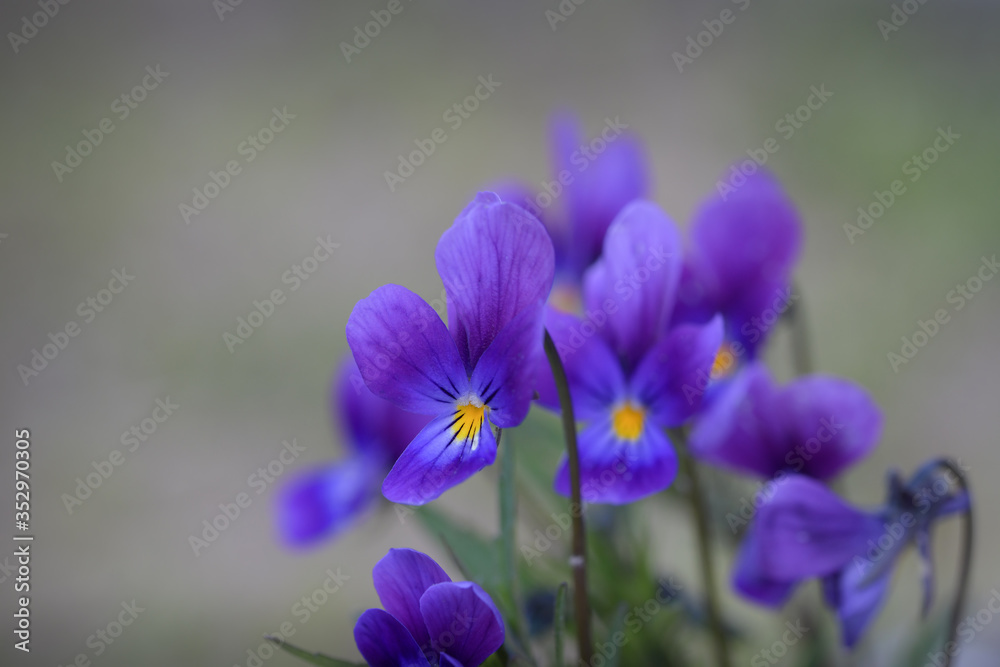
(832, 424)
(635, 280)
(462, 621)
(615, 471)
(439, 458)
(323, 502)
(401, 578)
(671, 378)
(506, 375)
(384, 642)
(404, 351)
(594, 375)
(495, 261)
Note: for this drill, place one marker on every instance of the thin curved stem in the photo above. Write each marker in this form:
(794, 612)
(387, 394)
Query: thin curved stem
(968, 542)
(801, 347)
(578, 561)
(699, 508)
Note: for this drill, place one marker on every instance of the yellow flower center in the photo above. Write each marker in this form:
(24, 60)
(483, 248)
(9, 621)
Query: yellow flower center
(469, 420)
(627, 421)
(725, 362)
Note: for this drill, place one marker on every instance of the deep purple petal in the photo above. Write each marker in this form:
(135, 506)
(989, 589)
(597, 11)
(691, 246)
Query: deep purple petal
(594, 375)
(506, 375)
(807, 531)
(859, 598)
(742, 241)
(495, 261)
(832, 424)
(737, 431)
(384, 642)
(615, 471)
(373, 426)
(597, 185)
(438, 459)
(671, 377)
(750, 581)
(635, 280)
(462, 621)
(404, 351)
(325, 501)
(401, 578)
(449, 661)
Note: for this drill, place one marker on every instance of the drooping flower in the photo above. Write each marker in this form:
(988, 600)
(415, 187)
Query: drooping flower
(326, 500)
(428, 619)
(816, 425)
(804, 530)
(743, 247)
(592, 181)
(627, 368)
(497, 265)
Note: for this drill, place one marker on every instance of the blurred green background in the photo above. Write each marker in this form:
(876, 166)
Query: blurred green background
(162, 336)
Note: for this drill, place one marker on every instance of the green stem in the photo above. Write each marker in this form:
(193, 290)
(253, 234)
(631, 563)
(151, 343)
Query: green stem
(801, 348)
(578, 561)
(963, 577)
(699, 508)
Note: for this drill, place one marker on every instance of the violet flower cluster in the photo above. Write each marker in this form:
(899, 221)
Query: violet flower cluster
(662, 343)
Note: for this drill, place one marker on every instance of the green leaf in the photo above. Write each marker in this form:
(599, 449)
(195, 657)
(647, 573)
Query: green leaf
(312, 658)
(617, 625)
(508, 516)
(476, 557)
(559, 623)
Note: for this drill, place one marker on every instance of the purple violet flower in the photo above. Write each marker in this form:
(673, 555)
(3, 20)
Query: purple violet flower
(816, 425)
(626, 367)
(497, 265)
(428, 619)
(805, 530)
(739, 263)
(592, 181)
(328, 499)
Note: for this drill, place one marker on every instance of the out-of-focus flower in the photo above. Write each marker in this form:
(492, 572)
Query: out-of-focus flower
(815, 425)
(739, 263)
(592, 181)
(805, 530)
(323, 502)
(428, 619)
(627, 368)
(497, 265)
